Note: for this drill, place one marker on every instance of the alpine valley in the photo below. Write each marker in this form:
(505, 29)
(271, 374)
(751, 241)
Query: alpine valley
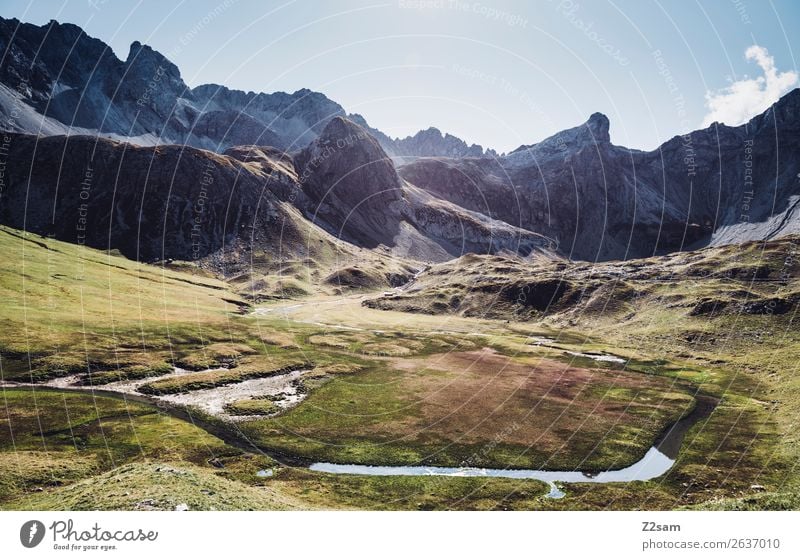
(218, 299)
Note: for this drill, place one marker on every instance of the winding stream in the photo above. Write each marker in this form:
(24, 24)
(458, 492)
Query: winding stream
(658, 460)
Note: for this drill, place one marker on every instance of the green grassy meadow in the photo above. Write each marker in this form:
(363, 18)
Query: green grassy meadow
(387, 387)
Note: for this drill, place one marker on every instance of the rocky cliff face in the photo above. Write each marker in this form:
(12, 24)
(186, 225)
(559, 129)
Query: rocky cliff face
(169, 202)
(66, 82)
(178, 202)
(353, 184)
(40, 61)
(742, 182)
(60, 77)
(600, 201)
(480, 185)
(357, 195)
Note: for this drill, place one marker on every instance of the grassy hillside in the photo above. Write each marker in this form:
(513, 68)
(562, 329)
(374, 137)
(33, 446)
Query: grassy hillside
(724, 319)
(67, 306)
(51, 439)
(515, 385)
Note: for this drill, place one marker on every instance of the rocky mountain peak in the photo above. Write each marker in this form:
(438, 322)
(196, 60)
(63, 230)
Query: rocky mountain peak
(431, 131)
(345, 148)
(144, 54)
(67, 30)
(67, 79)
(598, 125)
(431, 142)
(341, 127)
(591, 134)
(148, 80)
(351, 182)
(786, 110)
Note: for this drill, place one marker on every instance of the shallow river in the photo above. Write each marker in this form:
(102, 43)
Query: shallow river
(656, 462)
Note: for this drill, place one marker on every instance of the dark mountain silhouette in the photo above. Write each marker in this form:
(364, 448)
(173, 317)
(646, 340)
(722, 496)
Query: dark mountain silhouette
(298, 159)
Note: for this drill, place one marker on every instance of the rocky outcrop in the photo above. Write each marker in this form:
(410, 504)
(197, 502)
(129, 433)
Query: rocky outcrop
(215, 130)
(509, 288)
(458, 231)
(70, 80)
(480, 185)
(425, 143)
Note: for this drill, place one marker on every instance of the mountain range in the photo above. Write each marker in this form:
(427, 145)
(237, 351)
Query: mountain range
(124, 155)
(64, 81)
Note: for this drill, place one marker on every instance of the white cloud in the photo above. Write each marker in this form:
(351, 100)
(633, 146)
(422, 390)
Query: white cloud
(746, 98)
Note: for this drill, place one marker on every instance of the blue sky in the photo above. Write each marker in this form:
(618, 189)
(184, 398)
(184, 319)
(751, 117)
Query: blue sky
(496, 73)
